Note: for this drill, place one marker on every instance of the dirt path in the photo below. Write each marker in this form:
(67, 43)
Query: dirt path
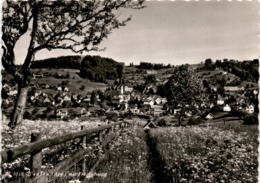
(155, 162)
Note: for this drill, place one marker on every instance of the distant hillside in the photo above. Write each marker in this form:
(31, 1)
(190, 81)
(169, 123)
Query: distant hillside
(244, 70)
(95, 68)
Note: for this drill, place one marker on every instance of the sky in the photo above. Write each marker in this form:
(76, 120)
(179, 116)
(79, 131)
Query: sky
(179, 32)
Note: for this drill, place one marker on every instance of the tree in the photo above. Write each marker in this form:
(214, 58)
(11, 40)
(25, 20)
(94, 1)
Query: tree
(184, 91)
(209, 65)
(93, 97)
(72, 25)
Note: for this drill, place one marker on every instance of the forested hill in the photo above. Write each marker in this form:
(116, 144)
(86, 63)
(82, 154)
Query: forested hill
(95, 68)
(64, 62)
(244, 70)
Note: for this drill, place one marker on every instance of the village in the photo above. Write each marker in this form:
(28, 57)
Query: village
(124, 98)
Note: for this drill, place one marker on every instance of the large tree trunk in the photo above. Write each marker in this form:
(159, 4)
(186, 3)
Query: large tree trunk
(19, 107)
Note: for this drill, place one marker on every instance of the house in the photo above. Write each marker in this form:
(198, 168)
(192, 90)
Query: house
(145, 108)
(148, 102)
(84, 112)
(176, 111)
(209, 116)
(6, 86)
(250, 109)
(134, 108)
(151, 72)
(66, 89)
(164, 100)
(37, 76)
(234, 88)
(62, 113)
(158, 100)
(125, 88)
(136, 95)
(47, 101)
(124, 98)
(188, 113)
(227, 108)
(220, 101)
(32, 98)
(255, 92)
(157, 110)
(12, 92)
(67, 98)
(214, 88)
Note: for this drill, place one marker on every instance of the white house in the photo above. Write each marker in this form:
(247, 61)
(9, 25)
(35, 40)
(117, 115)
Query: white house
(209, 116)
(227, 108)
(164, 100)
(158, 100)
(59, 88)
(12, 92)
(220, 101)
(148, 102)
(151, 71)
(250, 109)
(47, 100)
(66, 89)
(62, 113)
(67, 98)
(233, 88)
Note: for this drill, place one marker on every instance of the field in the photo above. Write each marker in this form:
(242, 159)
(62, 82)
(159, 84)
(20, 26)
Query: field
(209, 154)
(74, 81)
(215, 153)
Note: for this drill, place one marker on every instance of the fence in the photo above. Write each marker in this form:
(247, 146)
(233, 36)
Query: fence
(37, 145)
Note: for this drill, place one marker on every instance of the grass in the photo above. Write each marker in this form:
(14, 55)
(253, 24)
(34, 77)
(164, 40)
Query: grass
(126, 160)
(216, 153)
(208, 154)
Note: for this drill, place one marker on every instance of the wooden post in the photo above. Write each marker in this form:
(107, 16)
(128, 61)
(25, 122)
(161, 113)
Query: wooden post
(84, 139)
(36, 157)
(36, 163)
(84, 142)
(100, 138)
(112, 129)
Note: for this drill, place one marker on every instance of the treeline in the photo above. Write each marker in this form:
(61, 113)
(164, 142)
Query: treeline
(94, 68)
(245, 70)
(147, 65)
(64, 62)
(100, 69)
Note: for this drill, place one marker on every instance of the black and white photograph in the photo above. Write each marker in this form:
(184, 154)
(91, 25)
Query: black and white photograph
(129, 91)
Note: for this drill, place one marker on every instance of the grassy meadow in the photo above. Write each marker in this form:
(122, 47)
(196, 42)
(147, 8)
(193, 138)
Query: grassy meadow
(212, 153)
(209, 154)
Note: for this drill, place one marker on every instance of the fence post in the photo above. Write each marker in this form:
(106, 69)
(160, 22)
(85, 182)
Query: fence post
(36, 157)
(84, 139)
(100, 137)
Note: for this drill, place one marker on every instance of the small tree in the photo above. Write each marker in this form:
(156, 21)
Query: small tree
(184, 90)
(82, 88)
(93, 97)
(74, 25)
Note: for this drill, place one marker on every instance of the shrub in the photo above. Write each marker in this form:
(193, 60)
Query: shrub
(27, 115)
(215, 109)
(195, 121)
(82, 87)
(250, 120)
(112, 116)
(238, 113)
(163, 122)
